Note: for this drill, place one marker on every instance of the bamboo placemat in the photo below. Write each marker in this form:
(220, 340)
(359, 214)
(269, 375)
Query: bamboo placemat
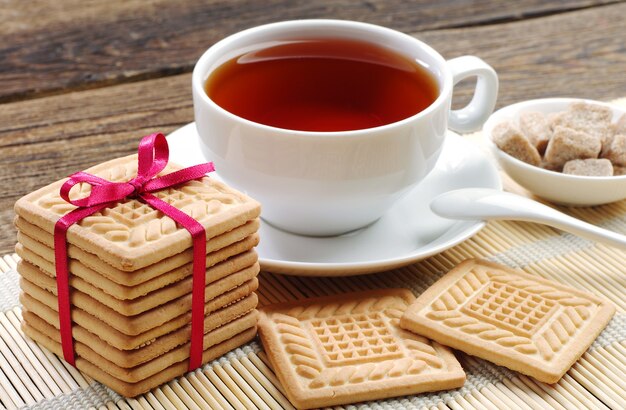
(31, 377)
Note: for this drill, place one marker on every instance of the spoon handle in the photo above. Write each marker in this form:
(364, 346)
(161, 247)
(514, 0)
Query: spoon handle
(488, 204)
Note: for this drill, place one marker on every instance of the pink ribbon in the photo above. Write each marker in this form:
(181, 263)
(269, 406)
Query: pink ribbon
(152, 159)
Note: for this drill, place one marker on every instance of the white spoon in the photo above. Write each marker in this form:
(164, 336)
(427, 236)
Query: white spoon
(486, 204)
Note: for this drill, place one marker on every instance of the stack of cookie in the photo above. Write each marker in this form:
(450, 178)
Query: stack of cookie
(130, 270)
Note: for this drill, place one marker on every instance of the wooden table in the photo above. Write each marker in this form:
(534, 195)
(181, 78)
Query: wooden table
(81, 81)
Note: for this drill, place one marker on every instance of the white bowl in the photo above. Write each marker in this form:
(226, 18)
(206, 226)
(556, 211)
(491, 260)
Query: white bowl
(564, 189)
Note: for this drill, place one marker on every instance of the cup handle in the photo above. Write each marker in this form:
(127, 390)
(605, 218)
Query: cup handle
(473, 115)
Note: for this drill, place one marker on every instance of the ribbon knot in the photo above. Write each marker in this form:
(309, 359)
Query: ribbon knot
(152, 158)
(137, 187)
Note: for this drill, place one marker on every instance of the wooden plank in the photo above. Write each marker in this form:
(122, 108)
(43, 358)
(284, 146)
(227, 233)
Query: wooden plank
(44, 139)
(52, 47)
(578, 54)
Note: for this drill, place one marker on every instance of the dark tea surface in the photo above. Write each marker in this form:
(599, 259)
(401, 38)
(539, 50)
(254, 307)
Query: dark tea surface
(322, 85)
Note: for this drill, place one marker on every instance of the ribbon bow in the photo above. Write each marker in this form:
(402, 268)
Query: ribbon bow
(153, 154)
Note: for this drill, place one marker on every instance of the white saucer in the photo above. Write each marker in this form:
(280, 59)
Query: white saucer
(407, 233)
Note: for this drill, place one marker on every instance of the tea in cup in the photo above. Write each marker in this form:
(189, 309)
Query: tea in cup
(328, 123)
(322, 85)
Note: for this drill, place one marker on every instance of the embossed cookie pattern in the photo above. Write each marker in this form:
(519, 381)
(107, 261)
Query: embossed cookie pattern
(134, 223)
(525, 323)
(131, 234)
(339, 350)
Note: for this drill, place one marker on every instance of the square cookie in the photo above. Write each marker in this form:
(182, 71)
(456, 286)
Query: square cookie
(43, 303)
(134, 389)
(86, 281)
(525, 323)
(42, 317)
(149, 278)
(146, 369)
(131, 235)
(349, 348)
(34, 282)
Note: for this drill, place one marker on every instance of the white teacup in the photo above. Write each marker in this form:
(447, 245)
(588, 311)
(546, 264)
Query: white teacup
(329, 183)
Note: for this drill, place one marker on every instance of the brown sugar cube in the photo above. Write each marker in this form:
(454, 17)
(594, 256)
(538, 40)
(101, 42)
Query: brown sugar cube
(553, 119)
(616, 151)
(590, 167)
(550, 167)
(620, 127)
(591, 112)
(606, 144)
(618, 171)
(592, 119)
(567, 144)
(511, 140)
(535, 127)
